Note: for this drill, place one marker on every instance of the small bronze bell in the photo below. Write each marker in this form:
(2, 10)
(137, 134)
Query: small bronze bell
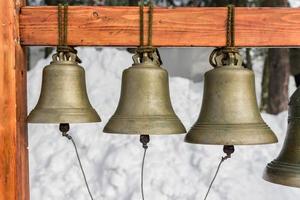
(285, 170)
(145, 105)
(229, 113)
(63, 97)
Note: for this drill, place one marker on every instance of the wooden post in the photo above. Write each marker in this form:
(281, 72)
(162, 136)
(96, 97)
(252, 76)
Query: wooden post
(14, 179)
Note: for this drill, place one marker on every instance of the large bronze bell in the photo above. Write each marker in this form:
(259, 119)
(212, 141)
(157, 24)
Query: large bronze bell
(229, 113)
(63, 97)
(285, 169)
(145, 105)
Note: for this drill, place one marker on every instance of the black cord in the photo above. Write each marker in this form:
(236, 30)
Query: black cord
(142, 174)
(64, 128)
(228, 149)
(144, 139)
(215, 176)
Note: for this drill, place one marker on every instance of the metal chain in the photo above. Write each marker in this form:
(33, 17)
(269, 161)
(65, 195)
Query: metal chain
(65, 134)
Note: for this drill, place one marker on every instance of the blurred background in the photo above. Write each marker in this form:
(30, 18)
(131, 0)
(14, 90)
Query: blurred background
(174, 170)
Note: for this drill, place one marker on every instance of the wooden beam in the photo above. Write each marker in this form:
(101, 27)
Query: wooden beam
(179, 27)
(14, 179)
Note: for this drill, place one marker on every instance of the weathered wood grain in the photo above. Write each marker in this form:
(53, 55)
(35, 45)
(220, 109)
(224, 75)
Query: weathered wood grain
(179, 27)
(14, 181)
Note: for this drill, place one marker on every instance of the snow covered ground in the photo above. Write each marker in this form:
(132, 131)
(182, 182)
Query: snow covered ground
(295, 3)
(174, 170)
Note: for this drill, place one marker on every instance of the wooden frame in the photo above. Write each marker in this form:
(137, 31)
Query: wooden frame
(109, 26)
(180, 27)
(14, 175)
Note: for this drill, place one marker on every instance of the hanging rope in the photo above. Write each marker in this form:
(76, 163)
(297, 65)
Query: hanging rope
(148, 47)
(230, 39)
(62, 17)
(59, 23)
(228, 149)
(62, 25)
(150, 23)
(64, 128)
(65, 38)
(141, 23)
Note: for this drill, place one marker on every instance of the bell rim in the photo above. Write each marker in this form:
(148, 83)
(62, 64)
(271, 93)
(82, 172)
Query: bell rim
(228, 143)
(122, 131)
(65, 122)
(40, 116)
(216, 135)
(142, 133)
(281, 176)
(141, 125)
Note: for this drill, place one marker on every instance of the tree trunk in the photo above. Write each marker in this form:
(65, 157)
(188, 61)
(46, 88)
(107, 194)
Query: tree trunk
(133, 2)
(265, 86)
(249, 58)
(279, 71)
(274, 3)
(223, 3)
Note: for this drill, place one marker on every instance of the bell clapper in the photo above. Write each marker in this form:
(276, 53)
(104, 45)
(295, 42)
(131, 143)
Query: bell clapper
(64, 128)
(144, 139)
(228, 150)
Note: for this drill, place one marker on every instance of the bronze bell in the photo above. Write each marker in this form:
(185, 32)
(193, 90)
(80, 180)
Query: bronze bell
(63, 97)
(145, 105)
(285, 170)
(229, 113)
